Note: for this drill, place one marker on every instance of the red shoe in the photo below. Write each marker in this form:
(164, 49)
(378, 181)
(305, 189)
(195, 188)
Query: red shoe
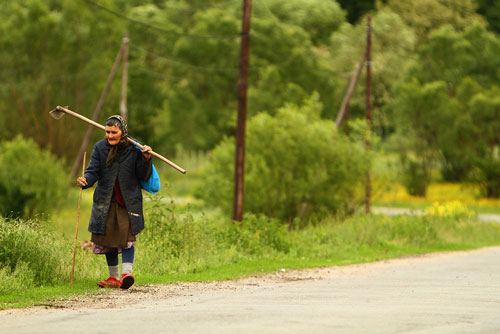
(111, 282)
(127, 281)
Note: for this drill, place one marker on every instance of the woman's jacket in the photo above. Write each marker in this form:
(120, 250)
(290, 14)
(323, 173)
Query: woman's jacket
(130, 167)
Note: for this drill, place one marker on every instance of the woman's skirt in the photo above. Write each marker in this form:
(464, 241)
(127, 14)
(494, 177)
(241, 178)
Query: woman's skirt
(117, 234)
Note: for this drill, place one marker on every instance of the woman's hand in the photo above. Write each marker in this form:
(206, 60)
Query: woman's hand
(146, 152)
(81, 181)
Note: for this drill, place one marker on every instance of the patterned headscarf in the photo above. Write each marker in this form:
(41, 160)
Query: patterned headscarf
(119, 122)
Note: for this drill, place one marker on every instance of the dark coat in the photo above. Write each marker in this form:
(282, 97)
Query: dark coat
(130, 167)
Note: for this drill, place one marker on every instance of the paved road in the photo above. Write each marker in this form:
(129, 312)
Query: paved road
(441, 293)
(484, 217)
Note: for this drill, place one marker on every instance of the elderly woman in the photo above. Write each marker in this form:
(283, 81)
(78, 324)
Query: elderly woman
(117, 216)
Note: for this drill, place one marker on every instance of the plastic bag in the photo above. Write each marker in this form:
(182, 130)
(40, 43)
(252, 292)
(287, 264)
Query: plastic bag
(152, 185)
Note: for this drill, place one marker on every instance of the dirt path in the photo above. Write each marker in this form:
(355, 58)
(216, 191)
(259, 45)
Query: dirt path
(440, 293)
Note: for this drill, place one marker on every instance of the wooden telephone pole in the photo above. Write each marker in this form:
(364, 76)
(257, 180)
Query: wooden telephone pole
(239, 168)
(369, 116)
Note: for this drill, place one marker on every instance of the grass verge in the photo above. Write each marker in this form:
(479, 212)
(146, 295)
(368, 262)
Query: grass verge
(205, 247)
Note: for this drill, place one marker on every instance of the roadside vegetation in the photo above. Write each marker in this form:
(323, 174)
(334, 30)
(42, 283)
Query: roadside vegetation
(187, 239)
(191, 242)
(434, 140)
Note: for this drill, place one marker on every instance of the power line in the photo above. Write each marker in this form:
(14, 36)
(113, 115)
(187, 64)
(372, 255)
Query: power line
(164, 30)
(163, 76)
(44, 79)
(176, 62)
(195, 9)
(210, 68)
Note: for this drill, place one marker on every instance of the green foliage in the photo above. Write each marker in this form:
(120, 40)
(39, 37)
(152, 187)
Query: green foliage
(208, 246)
(446, 106)
(416, 177)
(484, 111)
(172, 234)
(30, 255)
(422, 111)
(450, 55)
(319, 18)
(176, 242)
(32, 181)
(392, 46)
(258, 236)
(59, 53)
(296, 165)
(284, 68)
(424, 16)
(490, 9)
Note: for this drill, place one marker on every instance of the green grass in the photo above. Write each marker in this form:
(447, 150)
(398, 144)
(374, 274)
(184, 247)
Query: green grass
(214, 249)
(185, 241)
(51, 296)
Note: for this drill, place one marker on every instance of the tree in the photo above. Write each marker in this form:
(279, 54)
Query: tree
(424, 16)
(446, 102)
(490, 9)
(392, 47)
(318, 17)
(421, 111)
(58, 53)
(321, 176)
(285, 64)
(485, 112)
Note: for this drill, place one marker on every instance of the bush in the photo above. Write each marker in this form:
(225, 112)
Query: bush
(296, 164)
(488, 177)
(257, 236)
(30, 253)
(31, 180)
(416, 178)
(175, 242)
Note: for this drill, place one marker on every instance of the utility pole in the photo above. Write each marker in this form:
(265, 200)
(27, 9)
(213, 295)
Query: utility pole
(344, 108)
(97, 111)
(239, 168)
(123, 97)
(369, 116)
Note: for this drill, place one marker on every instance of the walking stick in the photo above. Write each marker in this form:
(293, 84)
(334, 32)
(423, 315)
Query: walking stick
(77, 220)
(59, 112)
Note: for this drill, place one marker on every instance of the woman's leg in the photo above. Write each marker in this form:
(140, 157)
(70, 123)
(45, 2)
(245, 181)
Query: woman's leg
(127, 260)
(112, 260)
(114, 271)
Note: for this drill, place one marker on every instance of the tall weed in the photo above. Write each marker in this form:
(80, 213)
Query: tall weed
(30, 253)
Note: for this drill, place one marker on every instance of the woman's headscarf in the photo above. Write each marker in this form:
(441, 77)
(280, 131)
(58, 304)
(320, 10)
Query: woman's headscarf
(119, 122)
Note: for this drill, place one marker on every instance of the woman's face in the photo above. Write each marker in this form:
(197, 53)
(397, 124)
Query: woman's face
(113, 134)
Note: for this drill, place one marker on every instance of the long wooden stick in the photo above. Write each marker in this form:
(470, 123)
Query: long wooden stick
(85, 119)
(77, 220)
